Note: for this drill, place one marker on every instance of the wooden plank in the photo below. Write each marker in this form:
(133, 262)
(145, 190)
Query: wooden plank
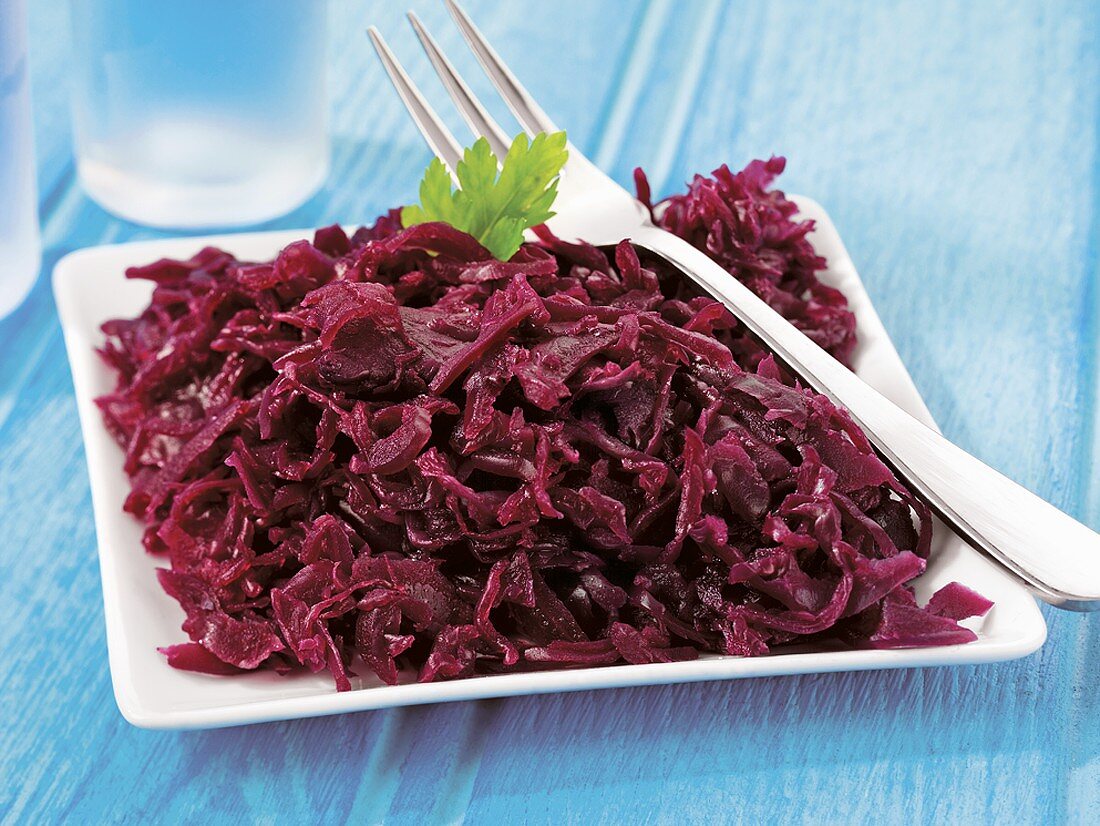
(956, 146)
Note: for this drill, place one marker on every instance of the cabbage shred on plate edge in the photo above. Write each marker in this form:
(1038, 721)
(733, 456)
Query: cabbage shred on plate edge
(395, 451)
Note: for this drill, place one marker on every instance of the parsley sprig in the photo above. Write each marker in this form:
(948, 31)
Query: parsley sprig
(494, 208)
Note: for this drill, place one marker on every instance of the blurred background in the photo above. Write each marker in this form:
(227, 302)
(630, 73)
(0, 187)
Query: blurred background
(955, 145)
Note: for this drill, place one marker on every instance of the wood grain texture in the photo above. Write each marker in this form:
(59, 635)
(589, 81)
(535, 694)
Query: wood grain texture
(955, 145)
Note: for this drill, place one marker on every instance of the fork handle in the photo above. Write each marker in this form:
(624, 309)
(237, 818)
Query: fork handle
(1052, 553)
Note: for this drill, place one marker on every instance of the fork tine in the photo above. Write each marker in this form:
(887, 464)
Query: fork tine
(519, 100)
(478, 118)
(437, 136)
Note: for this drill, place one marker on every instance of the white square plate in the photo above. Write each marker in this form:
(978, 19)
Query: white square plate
(90, 289)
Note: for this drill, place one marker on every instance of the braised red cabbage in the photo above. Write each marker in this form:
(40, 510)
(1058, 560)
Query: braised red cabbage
(392, 451)
(745, 225)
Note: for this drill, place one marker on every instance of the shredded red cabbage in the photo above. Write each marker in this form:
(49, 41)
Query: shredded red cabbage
(745, 225)
(394, 451)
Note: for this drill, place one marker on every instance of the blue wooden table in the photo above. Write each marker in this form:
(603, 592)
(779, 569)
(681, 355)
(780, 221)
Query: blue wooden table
(957, 147)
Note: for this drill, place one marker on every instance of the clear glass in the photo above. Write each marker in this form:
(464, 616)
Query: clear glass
(204, 113)
(20, 253)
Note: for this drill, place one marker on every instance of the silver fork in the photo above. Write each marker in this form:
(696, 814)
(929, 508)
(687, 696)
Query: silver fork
(1052, 553)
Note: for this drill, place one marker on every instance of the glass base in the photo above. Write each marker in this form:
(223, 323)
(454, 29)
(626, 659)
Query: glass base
(208, 205)
(19, 266)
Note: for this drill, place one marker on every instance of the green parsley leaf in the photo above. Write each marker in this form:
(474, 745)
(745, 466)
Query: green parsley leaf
(493, 208)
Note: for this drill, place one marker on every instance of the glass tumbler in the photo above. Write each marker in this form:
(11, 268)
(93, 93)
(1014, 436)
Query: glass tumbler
(200, 114)
(20, 253)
